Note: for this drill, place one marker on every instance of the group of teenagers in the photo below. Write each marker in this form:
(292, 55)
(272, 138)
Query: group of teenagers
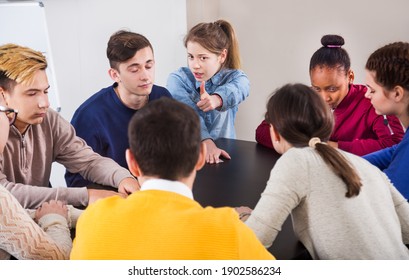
(341, 175)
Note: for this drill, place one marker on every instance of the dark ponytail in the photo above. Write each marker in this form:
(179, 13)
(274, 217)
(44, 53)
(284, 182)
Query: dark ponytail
(307, 117)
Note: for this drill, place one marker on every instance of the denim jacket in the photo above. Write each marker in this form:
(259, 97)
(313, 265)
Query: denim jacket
(231, 85)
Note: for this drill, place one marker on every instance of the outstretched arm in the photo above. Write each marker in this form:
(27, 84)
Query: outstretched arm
(388, 133)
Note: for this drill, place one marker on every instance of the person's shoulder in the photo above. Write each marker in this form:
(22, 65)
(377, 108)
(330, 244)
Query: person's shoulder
(52, 118)
(183, 73)
(183, 70)
(358, 93)
(104, 207)
(358, 99)
(159, 91)
(54, 123)
(295, 152)
(358, 161)
(95, 105)
(360, 89)
(227, 75)
(364, 168)
(224, 215)
(232, 72)
(181, 78)
(299, 158)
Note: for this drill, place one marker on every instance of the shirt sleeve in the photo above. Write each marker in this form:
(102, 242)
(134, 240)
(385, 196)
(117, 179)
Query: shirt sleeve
(21, 237)
(382, 158)
(282, 194)
(234, 90)
(397, 170)
(387, 135)
(402, 209)
(30, 196)
(78, 157)
(250, 248)
(263, 136)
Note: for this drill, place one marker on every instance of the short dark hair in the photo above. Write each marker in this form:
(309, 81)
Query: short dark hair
(164, 137)
(123, 45)
(331, 54)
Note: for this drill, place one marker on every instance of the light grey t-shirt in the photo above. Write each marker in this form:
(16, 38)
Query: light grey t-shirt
(372, 225)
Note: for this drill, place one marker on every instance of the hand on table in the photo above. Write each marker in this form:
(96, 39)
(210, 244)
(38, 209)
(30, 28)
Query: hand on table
(244, 212)
(213, 153)
(128, 186)
(51, 207)
(208, 102)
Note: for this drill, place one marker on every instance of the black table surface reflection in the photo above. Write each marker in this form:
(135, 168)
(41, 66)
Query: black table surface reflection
(240, 182)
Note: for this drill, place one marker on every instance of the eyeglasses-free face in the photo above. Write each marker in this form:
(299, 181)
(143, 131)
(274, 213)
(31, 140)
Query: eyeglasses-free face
(10, 113)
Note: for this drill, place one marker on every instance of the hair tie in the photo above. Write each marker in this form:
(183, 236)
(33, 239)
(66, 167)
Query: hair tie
(333, 46)
(314, 141)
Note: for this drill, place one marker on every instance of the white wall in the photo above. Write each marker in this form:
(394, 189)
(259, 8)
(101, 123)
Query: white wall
(79, 31)
(277, 39)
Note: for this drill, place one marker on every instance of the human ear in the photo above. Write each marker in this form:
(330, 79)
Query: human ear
(398, 93)
(275, 136)
(223, 56)
(133, 165)
(114, 74)
(4, 96)
(351, 76)
(202, 157)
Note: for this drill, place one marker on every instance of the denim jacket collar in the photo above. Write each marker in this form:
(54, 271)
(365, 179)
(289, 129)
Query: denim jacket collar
(215, 80)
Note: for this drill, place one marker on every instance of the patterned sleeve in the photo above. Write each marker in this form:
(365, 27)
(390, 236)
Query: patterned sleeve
(22, 238)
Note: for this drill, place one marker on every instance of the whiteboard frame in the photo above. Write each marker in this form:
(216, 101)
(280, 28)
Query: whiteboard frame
(16, 35)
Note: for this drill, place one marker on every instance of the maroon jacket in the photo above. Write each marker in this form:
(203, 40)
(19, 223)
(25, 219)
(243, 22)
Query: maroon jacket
(358, 129)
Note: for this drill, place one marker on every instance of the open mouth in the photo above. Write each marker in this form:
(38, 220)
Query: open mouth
(198, 75)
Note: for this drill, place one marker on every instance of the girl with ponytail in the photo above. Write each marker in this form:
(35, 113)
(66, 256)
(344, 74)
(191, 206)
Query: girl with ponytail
(342, 207)
(213, 84)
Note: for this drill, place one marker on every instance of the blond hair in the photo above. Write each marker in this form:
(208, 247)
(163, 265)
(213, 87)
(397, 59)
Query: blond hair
(19, 64)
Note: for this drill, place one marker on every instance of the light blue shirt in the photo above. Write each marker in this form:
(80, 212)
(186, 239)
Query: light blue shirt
(232, 86)
(167, 185)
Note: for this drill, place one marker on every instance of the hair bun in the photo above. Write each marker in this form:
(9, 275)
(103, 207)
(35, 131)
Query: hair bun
(332, 41)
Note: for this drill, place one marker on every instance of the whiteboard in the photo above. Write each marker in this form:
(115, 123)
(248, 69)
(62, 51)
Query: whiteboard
(24, 23)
